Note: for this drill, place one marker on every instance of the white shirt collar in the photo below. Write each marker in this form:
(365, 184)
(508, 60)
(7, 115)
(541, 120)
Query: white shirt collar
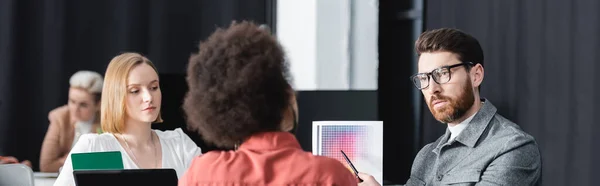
(85, 126)
(457, 129)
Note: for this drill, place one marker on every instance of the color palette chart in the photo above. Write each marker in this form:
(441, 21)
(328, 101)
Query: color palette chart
(362, 141)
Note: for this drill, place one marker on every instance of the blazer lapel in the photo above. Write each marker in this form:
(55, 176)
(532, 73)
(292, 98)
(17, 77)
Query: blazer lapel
(451, 154)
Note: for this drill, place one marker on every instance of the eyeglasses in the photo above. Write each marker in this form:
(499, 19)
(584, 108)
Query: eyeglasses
(440, 75)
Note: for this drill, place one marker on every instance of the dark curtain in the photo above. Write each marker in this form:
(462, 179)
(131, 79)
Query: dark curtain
(43, 42)
(540, 71)
(396, 93)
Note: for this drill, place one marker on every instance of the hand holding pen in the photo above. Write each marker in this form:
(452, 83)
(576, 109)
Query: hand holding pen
(351, 166)
(364, 179)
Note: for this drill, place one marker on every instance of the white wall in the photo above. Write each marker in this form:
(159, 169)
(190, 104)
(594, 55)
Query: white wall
(333, 21)
(365, 58)
(296, 30)
(323, 53)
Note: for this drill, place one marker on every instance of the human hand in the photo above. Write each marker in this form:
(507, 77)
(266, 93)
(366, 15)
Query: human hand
(8, 160)
(368, 180)
(26, 162)
(12, 160)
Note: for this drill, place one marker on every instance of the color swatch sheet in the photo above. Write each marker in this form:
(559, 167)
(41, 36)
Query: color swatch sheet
(362, 141)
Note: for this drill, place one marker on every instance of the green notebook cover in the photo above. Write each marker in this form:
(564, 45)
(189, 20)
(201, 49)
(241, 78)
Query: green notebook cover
(97, 161)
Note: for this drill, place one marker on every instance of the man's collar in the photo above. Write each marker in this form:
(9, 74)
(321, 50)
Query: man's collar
(471, 134)
(457, 129)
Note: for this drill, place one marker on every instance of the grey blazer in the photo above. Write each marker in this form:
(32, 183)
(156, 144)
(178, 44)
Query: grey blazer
(491, 150)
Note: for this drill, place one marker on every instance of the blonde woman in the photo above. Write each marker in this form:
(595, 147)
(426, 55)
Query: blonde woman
(68, 122)
(130, 104)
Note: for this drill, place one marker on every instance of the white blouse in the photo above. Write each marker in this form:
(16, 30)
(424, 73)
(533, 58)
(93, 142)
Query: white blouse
(178, 151)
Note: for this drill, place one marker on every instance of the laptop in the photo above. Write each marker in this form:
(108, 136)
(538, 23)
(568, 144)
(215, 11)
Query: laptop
(166, 177)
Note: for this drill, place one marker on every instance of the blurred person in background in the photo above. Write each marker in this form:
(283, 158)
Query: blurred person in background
(68, 122)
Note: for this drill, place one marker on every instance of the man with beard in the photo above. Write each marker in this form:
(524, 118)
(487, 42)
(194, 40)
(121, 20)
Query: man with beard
(480, 147)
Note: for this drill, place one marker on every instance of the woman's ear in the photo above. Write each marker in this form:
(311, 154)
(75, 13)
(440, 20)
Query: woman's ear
(290, 115)
(294, 107)
(288, 120)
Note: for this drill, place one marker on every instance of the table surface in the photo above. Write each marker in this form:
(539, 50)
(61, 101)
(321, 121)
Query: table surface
(48, 178)
(44, 178)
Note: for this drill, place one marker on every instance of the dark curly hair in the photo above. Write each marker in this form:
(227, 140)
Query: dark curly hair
(238, 85)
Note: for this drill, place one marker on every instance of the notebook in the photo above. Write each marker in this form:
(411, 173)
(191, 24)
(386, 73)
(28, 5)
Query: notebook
(111, 160)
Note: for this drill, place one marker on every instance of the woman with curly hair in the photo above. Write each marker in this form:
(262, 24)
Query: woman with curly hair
(240, 99)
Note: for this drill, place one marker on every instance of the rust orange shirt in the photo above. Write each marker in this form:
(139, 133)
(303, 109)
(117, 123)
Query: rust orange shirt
(270, 158)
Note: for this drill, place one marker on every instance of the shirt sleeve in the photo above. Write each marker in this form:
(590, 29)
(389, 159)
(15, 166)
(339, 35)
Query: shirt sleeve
(51, 156)
(65, 177)
(518, 164)
(189, 177)
(189, 149)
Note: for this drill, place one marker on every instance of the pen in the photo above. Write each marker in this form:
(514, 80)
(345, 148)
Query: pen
(351, 165)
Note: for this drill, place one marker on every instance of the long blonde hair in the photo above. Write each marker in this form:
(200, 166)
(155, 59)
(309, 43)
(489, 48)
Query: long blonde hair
(112, 108)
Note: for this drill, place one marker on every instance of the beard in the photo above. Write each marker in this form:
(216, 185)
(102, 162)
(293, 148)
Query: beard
(455, 108)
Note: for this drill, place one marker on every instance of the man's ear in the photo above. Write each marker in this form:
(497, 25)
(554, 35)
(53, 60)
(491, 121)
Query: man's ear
(477, 73)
